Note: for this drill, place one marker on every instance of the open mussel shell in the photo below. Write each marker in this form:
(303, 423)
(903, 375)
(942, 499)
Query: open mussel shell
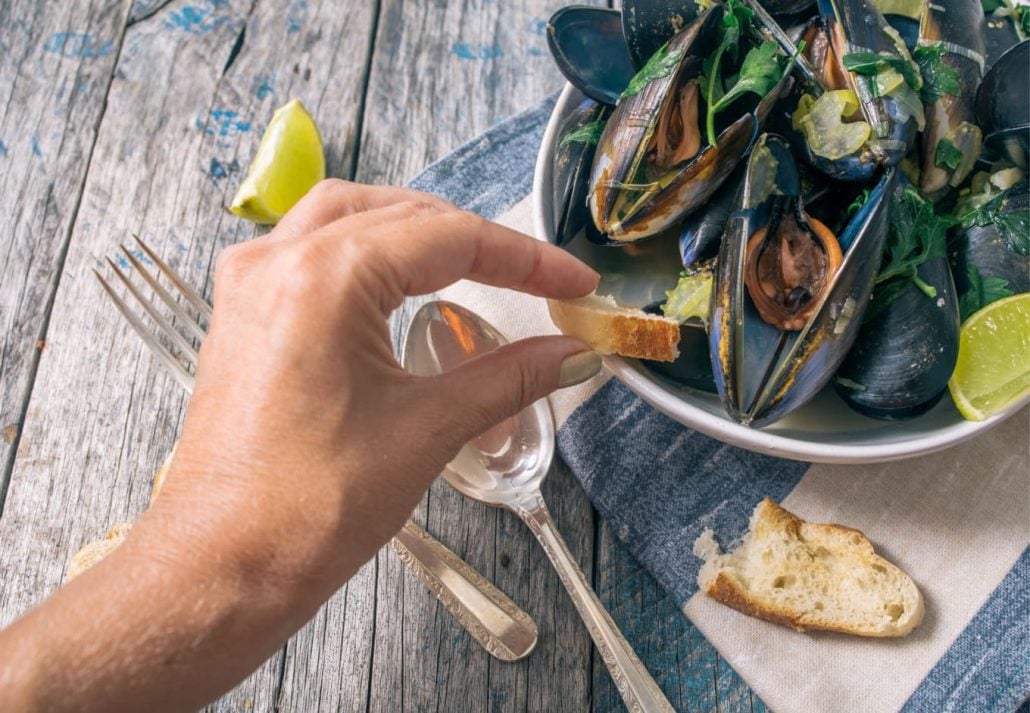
(958, 26)
(587, 45)
(625, 210)
(763, 373)
(1000, 36)
(649, 24)
(571, 167)
(702, 231)
(904, 354)
(995, 251)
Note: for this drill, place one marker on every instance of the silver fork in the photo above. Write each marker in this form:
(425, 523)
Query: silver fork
(492, 619)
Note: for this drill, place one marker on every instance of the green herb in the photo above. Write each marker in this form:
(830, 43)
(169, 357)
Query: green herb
(991, 5)
(1014, 226)
(1022, 18)
(759, 73)
(884, 294)
(690, 298)
(982, 291)
(948, 155)
(661, 64)
(735, 19)
(939, 77)
(916, 235)
(870, 64)
(589, 133)
(856, 205)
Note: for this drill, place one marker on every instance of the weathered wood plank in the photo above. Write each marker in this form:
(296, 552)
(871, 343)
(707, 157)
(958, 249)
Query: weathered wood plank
(55, 68)
(441, 75)
(685, 665)
(190, 94)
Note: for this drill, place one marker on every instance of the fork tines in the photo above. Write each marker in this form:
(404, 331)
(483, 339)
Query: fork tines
(151, 337)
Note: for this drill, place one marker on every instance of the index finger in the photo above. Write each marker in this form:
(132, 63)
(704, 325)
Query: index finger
(428, 252)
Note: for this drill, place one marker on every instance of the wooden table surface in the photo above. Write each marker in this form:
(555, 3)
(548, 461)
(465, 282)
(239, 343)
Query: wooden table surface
(140, 117)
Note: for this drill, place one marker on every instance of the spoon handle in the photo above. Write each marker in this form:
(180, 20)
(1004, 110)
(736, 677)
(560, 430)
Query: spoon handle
(494, 620)
(639, 691)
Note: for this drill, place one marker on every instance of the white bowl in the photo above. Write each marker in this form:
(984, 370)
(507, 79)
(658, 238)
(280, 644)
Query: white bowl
(824, 430)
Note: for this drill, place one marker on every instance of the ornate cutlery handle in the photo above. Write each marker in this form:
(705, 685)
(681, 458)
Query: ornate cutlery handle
(639, 691)
(493, 619)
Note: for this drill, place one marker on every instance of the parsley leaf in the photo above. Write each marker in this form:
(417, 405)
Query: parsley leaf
(589, 133)
(939, 77)
(948, 155)
(856, 205)
(991, 5)
(870, 64)
(916, 235)
(1013, 225)
(982, 291)
(759, 73)
(661, 64)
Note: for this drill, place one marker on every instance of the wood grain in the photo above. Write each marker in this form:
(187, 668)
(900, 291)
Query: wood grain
(143, 120)
(190, 92)
(55, 68)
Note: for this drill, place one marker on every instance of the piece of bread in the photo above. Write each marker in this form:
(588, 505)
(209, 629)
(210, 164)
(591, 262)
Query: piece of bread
(92, 553)
(810, 577)
(611, 329)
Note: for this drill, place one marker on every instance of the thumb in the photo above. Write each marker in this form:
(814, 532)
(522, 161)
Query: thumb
(488, 389)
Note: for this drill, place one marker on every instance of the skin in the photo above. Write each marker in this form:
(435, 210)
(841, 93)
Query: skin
(289, 473)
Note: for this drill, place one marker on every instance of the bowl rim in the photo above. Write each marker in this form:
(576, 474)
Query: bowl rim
(652, 391)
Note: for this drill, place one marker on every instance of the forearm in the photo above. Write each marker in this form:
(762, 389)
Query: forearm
(184, 609)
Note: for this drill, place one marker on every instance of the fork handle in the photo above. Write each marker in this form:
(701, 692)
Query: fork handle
(494, 620)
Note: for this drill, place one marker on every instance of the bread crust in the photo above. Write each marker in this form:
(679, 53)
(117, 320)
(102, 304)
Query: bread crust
(609, 329)
(770, 521)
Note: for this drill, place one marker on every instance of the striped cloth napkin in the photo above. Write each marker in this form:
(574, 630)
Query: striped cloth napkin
(957, 521)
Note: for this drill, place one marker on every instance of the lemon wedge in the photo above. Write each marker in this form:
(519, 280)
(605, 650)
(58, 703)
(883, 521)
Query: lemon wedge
(992, 373)
(289, 161)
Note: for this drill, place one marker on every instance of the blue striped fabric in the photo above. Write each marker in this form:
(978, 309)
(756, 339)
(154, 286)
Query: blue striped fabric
(987, 668)
(692, 482)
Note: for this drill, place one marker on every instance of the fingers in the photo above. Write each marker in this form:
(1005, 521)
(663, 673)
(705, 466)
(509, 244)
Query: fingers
(433, 249)
(483, 392)
(333, 199)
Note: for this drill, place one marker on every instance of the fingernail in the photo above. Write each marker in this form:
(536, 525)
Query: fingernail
(577, 368)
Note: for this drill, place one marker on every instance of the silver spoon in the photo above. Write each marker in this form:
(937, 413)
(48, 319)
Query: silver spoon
(505, 468)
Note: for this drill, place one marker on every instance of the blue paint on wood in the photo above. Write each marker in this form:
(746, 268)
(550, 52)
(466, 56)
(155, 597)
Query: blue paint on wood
(223, 123)
(78, 45)
(218, 170)
(537, 26)
(466, 50)
(197, 20)
(264, 85)
(3, 150)
(296, 15)
(36, 151)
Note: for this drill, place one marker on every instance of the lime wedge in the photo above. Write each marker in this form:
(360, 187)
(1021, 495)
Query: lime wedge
(289, 161)
(992, 373)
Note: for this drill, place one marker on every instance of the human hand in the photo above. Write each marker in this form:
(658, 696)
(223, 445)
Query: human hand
(305, 446)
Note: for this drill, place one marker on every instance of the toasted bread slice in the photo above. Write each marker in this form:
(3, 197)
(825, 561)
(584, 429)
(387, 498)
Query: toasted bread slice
(611, 329)
(810, 577)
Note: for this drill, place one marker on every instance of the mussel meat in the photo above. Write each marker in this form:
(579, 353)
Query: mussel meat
(788, 295)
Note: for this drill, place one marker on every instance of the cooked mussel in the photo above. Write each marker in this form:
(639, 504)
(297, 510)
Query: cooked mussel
(577, 141)
(904, 354)
(587, 45)
(702, 230)
(859, 110)
(653, 164)
(951, 45)
(991, 252)
(789, 296)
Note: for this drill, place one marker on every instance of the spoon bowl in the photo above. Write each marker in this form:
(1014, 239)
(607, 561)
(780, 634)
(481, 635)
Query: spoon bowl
(505, 467)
